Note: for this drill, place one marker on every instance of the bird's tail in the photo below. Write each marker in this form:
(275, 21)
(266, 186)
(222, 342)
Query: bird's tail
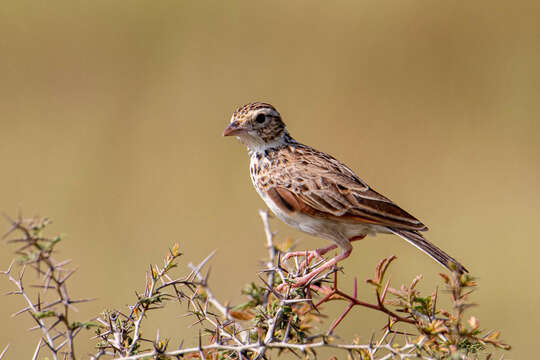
(415, 238)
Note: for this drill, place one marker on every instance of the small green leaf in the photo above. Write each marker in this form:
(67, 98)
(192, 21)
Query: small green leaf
(44, 314)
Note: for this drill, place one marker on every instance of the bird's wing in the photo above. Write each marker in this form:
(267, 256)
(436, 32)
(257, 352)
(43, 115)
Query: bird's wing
(303, 179)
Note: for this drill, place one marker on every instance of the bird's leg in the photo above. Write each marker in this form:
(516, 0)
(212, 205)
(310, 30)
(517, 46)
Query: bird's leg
(315, 254)
(309, 254)
(327, 265)
(347, 249)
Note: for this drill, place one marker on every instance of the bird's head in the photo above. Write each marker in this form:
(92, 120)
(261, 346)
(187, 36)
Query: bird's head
(258, 125)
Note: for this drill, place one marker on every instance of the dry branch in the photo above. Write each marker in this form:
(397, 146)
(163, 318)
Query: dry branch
(268, 324)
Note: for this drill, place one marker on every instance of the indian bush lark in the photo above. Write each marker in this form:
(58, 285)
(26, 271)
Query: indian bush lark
(317, 194)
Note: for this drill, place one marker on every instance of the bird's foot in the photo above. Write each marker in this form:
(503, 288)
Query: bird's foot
(298, 282)
(309, 255)
(305, 279)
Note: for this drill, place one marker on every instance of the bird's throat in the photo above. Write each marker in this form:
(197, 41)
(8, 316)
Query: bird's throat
(256, 144)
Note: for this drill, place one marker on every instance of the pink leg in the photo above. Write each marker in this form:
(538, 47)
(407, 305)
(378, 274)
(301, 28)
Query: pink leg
(327, 265)
(318, 253)
(311, 254)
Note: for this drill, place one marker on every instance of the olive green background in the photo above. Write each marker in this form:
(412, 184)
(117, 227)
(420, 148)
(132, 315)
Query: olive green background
(111, 115)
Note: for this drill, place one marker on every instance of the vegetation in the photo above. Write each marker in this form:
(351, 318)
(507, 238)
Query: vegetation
(268, 325)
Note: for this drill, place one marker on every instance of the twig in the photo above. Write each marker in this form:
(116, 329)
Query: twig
(4, 351)
(271, 321)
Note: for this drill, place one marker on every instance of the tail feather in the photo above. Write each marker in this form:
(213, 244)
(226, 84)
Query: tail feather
(415, 238)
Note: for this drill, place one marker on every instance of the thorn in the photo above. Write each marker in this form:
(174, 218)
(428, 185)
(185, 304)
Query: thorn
(4, 351)
(82, 300)
(195, 270)
(435, 302)
(46, 306)
(37, 350)
(15, 292)
(50, 346)
(63, 263)
(53, 325)
(14, 226)
(21, 274)
(383, 296)
(68, 275)
(61, 345)
(21, 311)
(207, 275)
(9, 268)
(392, 339)
(269, 288)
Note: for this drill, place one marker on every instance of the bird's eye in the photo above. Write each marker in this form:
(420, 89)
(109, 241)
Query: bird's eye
(260, 118)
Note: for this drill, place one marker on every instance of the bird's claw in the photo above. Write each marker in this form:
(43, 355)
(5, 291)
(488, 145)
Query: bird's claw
(309, 257)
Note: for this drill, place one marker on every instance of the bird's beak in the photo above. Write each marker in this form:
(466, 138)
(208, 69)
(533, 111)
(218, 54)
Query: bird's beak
(233, 129)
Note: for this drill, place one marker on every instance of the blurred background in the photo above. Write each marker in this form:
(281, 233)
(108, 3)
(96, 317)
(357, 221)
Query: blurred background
(111, 116)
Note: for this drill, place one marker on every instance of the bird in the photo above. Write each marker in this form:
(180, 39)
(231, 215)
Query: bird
(319, 195)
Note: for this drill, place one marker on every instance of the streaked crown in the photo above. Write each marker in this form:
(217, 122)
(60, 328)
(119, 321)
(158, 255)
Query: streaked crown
(257, 124)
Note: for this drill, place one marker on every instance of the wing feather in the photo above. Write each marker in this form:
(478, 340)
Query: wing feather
(315, 183)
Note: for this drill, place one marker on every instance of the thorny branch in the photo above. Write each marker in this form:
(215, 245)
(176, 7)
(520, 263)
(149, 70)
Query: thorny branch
(52, 316)
(269, 323)
(4, 352)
